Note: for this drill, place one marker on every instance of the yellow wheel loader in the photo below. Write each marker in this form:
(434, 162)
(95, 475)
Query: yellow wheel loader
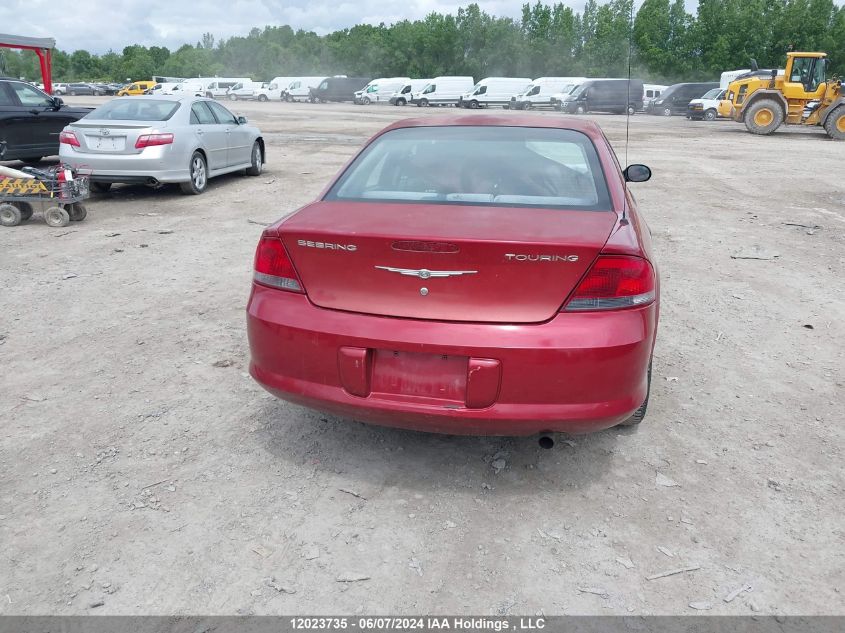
(803, 95)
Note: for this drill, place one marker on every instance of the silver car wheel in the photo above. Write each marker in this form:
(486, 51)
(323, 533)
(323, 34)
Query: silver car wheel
(198, 175)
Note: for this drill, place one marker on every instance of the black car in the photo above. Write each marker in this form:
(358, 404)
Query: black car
(103, 89)
(80, 89)
(31, 120)
(675, 99)
(338, 89)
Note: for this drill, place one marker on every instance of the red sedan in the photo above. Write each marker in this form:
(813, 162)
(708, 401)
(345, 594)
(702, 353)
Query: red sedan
(481, 275)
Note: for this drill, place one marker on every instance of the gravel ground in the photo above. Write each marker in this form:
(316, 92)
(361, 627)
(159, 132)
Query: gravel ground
(143, 471)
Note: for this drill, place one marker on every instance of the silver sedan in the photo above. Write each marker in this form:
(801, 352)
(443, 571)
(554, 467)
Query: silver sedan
(162, 139)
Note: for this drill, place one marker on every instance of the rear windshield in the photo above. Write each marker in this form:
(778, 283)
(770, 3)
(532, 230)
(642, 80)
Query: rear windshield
(481, 165)
(136, 110)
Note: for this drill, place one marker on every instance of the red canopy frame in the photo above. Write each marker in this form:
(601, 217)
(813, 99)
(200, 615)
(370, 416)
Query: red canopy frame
(43, 47)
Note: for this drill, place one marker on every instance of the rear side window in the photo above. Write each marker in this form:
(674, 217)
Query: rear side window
(481, 165)
(136, 110)
(201, 115)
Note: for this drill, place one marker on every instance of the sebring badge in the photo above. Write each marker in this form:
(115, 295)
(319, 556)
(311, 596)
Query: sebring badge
(424, 273)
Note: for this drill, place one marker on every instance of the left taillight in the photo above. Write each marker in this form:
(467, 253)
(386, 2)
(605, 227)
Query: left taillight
(614, 282)
(151, 140)
(273, 266)
(68, 138)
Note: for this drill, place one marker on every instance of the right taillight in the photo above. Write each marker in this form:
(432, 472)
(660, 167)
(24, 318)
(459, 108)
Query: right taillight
(273, 266)
(614, 282)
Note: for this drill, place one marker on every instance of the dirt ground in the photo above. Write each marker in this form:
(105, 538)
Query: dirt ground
(138, 475)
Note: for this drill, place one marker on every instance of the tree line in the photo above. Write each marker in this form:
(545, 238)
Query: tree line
(663, 43)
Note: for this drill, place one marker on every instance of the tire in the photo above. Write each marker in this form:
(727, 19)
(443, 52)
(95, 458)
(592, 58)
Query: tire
(10, 215)
(581, 110)
(233, 97)
(631, 110)
(31, 160)
(198, 170)
(77, 212)
(639, 414)
(667, 111)
(72, 93)
(56, 217)
(474, 105)
(257, 161)
(835, 124)
(710, 115)
(401, 102)
(763, 116)
(26, 210)
(101, 187)
(262, 98)
(365, 101)
(423, 103)
(527, 106)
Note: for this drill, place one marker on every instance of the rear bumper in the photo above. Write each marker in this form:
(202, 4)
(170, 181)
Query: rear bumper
(148, 166)
(577, 373)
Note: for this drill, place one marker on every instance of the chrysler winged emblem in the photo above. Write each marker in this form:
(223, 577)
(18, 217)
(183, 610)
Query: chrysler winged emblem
(424, 273)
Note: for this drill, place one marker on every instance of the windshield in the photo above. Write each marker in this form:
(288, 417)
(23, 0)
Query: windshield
(135, 110)
(712, 94)
(486, 165)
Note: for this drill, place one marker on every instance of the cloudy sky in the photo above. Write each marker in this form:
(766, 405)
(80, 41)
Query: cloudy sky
(97, 25)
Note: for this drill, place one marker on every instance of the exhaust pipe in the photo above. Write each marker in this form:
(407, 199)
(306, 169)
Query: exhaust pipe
(152, 182)
(546, 441)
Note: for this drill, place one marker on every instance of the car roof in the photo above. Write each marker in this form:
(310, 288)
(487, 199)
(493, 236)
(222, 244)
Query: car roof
(497, 120)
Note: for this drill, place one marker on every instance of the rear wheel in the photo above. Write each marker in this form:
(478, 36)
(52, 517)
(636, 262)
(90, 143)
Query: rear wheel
(56, 217)
(710, 115)
(101, 187)
(77, 212)
(639, 414)
(257, 161)
(10, 215)
(199, 176)
(26, 210)
(835, 124)
(763, 116)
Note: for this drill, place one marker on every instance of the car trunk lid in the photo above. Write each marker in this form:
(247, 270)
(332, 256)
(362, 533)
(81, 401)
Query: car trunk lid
(443, 262)
(113, 137)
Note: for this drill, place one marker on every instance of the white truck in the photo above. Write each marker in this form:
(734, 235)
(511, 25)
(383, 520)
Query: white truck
(274, 90)
(379, 90)
(443, 90)
(493, 91)
(706, 108)
(651, 92)
(403, 95)
(539, 93)
(189, 87)
(300, 88)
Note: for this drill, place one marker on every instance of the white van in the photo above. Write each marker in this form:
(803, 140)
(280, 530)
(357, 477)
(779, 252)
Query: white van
(243, 90)
(539, 93)
(445, 90)
(379, 90)
(163, 88)
(214, 87)
(493, 91)
(651, 92)
(300, 88)
(189, 87)
(403, 95)
(274, 89)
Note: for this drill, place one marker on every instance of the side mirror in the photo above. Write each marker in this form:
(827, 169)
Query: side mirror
(58, 102)
(242, 120)
(637, 173)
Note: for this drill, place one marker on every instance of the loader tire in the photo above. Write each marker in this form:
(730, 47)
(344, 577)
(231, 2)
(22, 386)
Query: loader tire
(763, 117)
(835, 124)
